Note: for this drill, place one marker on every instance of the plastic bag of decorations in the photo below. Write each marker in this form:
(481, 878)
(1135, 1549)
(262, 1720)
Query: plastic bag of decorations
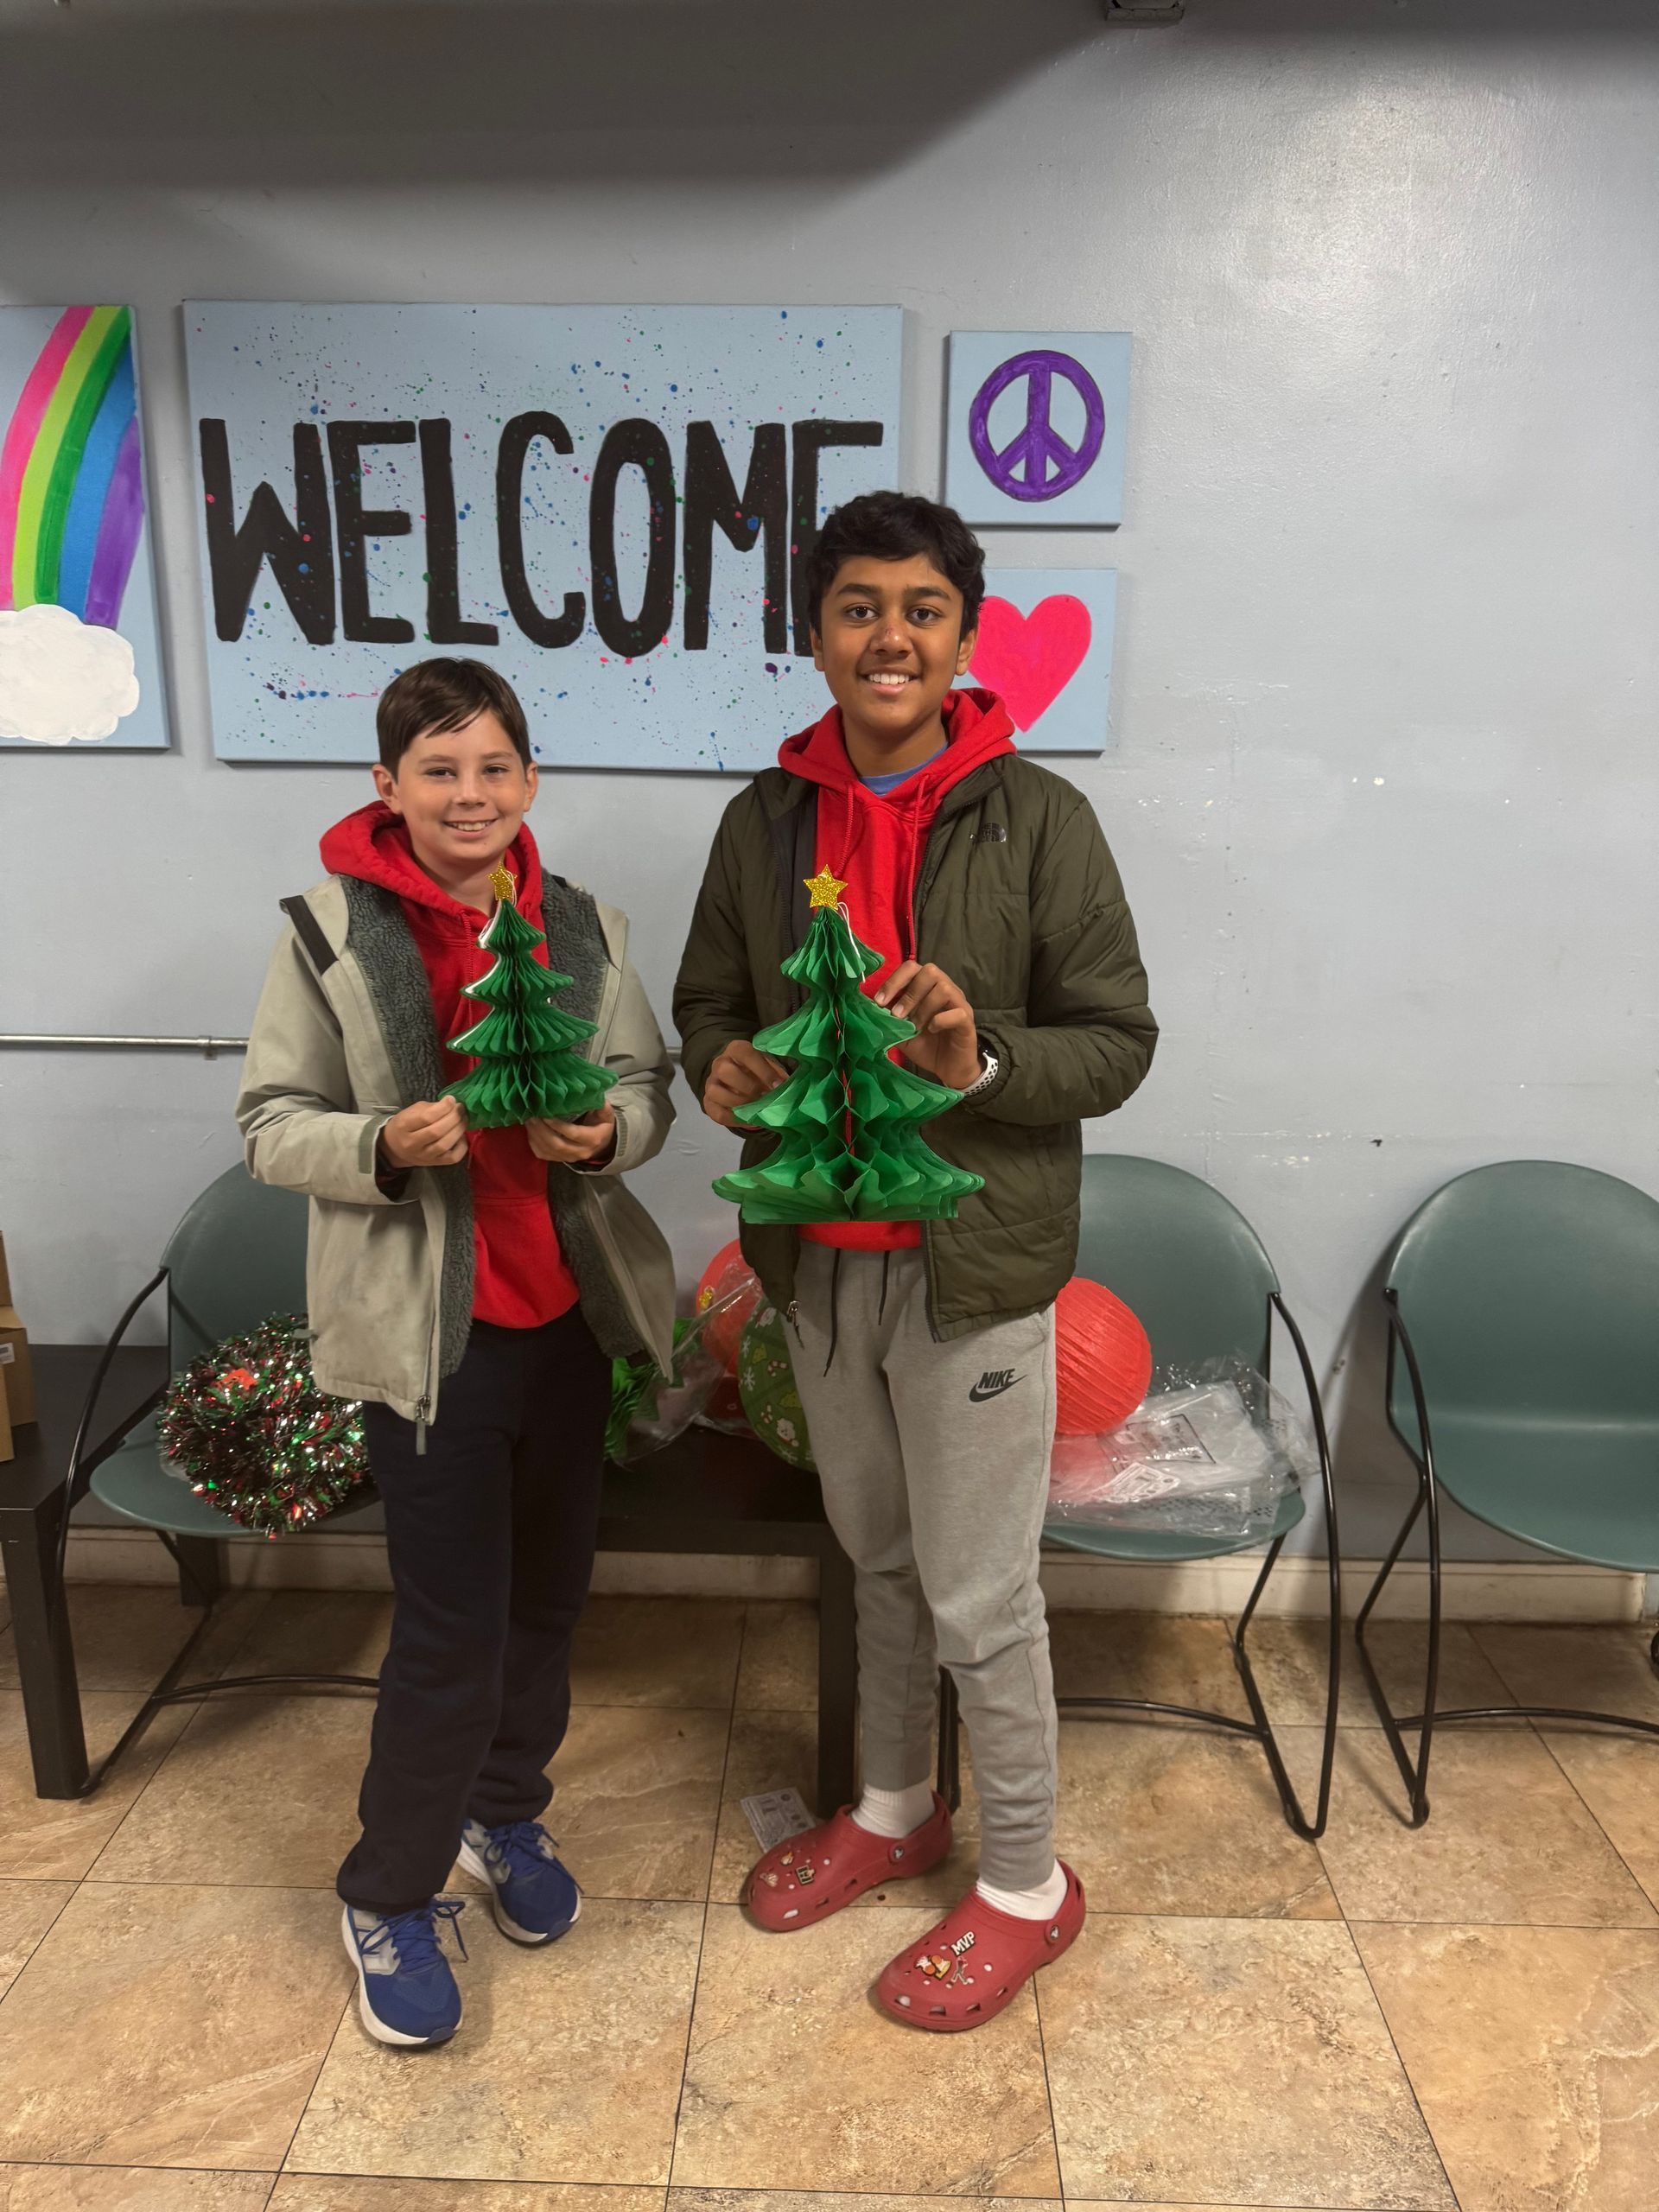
(649, 1410)
(1213, 1454)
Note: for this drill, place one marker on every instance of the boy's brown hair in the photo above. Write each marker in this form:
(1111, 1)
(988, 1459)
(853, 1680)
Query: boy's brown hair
(439, 695)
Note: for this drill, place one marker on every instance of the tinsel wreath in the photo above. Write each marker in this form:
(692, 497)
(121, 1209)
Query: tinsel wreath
(248, 1427)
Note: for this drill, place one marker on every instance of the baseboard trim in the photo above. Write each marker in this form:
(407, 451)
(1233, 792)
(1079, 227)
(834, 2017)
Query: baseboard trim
(1473, 1590)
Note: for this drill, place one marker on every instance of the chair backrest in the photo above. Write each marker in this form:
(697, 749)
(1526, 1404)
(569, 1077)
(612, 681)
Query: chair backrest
(1530, 1289)
(1180, 1256)
(236, 1258)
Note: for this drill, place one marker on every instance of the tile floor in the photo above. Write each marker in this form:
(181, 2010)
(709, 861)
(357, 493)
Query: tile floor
(1468, 2017)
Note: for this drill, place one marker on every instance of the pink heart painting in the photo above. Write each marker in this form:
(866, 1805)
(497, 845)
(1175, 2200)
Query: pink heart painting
(1030, 659)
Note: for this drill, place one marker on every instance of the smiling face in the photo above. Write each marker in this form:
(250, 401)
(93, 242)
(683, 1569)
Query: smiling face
(890, 644)
(463, 793)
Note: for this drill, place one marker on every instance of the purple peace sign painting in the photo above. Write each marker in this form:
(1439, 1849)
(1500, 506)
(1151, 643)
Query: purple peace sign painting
(1036, 426)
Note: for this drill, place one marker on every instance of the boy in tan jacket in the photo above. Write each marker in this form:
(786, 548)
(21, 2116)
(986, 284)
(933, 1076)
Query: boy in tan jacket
(472, 1288)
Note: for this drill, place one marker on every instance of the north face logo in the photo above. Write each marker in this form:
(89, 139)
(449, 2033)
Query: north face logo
(992, 1384)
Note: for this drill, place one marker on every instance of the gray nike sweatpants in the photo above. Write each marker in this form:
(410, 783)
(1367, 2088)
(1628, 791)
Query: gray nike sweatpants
(934, 1462)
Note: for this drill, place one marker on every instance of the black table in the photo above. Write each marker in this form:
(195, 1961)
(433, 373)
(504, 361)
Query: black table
(705, 1492)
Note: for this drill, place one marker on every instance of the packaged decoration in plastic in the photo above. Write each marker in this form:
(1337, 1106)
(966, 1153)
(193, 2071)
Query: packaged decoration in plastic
(1214, 1455)
(649, 1409)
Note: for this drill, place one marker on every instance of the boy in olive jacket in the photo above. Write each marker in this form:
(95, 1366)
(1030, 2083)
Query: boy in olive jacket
(925, 1358)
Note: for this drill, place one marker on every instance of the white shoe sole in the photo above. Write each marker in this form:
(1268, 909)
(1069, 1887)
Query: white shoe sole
(376, 2027)
(472, 1862)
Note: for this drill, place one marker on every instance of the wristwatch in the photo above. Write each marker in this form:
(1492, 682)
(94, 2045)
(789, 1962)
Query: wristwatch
(987, 1075)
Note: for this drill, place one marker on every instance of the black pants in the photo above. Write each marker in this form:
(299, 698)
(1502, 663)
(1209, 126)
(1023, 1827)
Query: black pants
(489, 1534)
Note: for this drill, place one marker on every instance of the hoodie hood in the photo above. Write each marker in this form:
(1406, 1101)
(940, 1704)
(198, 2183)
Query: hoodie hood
(977, 729)
(373, 845)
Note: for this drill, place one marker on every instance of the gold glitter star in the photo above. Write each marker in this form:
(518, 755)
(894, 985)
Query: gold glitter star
(824, 889)
(501, 884)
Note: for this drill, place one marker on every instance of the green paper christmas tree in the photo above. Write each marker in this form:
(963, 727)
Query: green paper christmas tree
(527, 1070)
(849, 1118)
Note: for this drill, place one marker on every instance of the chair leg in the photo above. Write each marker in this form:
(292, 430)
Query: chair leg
(200, 1560)
(1413, 1772)
(949, 1782)
(1296, 1819)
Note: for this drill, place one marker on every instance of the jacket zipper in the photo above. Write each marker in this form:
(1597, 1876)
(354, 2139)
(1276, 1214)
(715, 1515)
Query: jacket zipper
(932, 860)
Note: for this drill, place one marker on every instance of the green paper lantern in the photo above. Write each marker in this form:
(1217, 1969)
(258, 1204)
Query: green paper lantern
(765, 1382)
(848, 1120)
(527, 1070)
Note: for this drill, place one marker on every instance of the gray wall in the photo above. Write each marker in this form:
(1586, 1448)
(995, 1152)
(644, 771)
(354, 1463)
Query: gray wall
(1381, 777)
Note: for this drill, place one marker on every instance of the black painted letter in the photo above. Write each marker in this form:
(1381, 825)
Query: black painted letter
(810, 437)
(301, 552)
(760, 511)
(641, 445)
(355, 525)
(542, 629)
(443, 624)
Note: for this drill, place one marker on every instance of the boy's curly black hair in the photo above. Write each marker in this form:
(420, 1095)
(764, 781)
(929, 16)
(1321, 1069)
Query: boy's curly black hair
(896, 526)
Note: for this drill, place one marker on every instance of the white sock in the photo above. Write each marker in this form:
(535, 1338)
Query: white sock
(894, 1813)
(1041, 1903)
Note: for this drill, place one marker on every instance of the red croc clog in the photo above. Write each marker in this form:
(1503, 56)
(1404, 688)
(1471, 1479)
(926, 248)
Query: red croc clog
(975, 1963)
(807, 1877)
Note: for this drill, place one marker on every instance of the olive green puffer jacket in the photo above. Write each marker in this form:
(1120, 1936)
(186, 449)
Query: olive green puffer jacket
(1019, 902)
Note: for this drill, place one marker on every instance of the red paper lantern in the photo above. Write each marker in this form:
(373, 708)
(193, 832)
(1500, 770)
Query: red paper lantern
(726, 1272)
(1103, 1359)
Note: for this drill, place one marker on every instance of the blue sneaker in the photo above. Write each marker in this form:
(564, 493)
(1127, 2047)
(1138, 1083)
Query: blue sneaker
(406, 1992)
(534, 1898)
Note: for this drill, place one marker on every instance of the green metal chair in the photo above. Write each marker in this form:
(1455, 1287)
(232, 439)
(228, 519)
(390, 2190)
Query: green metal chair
(236, 1258)
(1185, 1260)
(1523, 1381)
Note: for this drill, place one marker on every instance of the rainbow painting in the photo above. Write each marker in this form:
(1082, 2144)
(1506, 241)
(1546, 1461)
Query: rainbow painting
(79, 655)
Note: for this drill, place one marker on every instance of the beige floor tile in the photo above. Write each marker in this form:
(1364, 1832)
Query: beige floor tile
(1228, 2063)
(779, 1671)
(1179, 1820)
(360, 2193)
(1617, 1778)
(795, 2081)
(1507, 1839)
(1532, 2052)
(316, 1632)
(778, 1750)
(790, 2200)
(258, 1789)
(1596, 1670)
(26, 1910)
(1289, 1658)
(170, 2026)
(636, 1800)
(567, 2066)
(127, 1634)
(1176, 1658)
(57, 1839)
(129, 2188)
(657, 1651)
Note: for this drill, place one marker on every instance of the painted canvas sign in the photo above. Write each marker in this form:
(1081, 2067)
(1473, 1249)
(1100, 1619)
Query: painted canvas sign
(1046, 645)
(1036, 426)
(81, 656)
(613, 506)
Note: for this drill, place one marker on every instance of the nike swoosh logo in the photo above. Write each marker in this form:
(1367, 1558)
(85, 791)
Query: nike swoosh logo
(977, 1397)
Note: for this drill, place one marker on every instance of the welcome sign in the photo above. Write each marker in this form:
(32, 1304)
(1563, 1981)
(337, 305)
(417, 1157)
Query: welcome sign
(613, 506)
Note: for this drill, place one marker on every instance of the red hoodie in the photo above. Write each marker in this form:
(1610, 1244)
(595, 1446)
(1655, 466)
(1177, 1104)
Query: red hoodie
(520, 1278)
(874, 845)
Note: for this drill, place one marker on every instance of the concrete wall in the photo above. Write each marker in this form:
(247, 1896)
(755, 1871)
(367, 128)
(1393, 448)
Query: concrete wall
(1381, 777)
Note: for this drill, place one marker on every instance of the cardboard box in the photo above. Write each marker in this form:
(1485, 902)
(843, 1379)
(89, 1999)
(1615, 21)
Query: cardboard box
(14, 1354)
(6, 1448)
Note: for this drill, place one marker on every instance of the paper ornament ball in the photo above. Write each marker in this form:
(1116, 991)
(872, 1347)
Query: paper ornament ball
(1103, 1359)
(726, 1272)
(767, 1381)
